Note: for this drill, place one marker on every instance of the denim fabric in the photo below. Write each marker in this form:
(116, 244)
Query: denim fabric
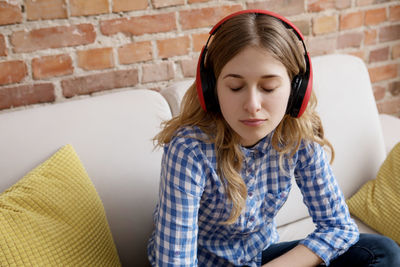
(371, 250)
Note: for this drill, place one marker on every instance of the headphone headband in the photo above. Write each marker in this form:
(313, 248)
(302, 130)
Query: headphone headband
(301, 84)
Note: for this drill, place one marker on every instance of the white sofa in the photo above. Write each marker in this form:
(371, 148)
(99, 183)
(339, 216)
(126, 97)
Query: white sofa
(112, 134)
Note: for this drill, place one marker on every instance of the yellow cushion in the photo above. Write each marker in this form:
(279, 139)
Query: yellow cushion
(54, 217)
(377, 203)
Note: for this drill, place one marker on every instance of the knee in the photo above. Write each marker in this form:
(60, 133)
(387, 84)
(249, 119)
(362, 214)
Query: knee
(392, 251)
(388, 250)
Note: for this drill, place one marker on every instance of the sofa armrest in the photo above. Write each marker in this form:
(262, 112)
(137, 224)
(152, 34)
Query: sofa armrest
(391, 130)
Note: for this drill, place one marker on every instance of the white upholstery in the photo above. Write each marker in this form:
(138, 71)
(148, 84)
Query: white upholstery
(112, 135)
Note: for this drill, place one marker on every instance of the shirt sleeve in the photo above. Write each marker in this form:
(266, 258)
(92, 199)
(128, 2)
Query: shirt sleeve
(181, 187)
(335, 230)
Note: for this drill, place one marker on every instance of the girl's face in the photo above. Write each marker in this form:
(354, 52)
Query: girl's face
(253, 91)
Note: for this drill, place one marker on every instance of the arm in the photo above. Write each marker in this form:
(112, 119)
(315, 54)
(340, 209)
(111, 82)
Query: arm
(175, 242)
(335, 230)
(300, 255)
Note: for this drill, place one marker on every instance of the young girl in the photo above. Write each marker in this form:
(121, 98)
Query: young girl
(243, 132)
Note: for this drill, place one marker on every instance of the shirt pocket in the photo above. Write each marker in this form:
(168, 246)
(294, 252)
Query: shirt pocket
(272, 203)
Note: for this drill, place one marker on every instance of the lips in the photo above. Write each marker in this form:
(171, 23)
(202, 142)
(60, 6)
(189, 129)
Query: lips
(252, 122)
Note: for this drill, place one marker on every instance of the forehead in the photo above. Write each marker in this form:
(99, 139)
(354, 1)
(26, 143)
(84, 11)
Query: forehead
(254, 61)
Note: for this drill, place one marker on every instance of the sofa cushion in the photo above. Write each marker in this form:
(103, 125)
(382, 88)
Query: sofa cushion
(377, 202)
(54, 217)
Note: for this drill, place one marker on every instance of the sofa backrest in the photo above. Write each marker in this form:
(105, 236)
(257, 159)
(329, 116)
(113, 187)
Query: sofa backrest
(112, 136)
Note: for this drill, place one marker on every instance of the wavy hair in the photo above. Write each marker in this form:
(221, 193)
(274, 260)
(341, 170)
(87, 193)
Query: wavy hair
(234, 35)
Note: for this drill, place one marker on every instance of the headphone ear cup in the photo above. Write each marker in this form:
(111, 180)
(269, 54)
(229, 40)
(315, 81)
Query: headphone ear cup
(298, 91)
(205, 83)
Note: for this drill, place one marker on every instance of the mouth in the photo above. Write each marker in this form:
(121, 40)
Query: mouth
(252, 122)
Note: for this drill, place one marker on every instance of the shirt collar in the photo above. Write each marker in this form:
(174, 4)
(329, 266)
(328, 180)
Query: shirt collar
(260, 148)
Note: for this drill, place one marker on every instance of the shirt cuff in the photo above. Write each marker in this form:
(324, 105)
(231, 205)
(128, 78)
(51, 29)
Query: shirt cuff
(325, 250)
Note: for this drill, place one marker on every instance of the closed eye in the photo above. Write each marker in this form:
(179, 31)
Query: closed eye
(236, 88)
(269, 90)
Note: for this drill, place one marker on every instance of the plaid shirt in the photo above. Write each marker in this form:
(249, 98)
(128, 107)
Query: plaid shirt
(192, 204)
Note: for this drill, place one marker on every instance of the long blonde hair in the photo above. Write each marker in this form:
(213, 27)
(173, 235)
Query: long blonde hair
(233, 36)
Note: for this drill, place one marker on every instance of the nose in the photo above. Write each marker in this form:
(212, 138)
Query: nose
(252, 102)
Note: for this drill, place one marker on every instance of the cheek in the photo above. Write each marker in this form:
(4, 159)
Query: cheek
(277, 104)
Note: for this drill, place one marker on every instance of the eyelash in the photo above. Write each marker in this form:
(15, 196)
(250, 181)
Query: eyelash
(266, 90)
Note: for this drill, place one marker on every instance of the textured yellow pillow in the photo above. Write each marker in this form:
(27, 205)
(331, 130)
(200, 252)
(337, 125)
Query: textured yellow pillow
(54, 217)
(377, 203)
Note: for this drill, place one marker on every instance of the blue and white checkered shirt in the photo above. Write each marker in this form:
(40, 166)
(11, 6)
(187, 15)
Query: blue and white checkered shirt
(192, 204)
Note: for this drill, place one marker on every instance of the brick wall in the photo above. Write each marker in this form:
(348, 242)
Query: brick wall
(59, 50)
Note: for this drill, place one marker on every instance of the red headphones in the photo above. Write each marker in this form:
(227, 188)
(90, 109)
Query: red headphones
(301, 83)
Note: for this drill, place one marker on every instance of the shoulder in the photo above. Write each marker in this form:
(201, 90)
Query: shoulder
(310, 152)
(190, 140)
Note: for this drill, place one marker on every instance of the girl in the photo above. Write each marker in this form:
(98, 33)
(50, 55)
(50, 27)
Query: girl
(243, 132)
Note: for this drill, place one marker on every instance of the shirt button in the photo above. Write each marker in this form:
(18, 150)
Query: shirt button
(252, 218)
(250, 194)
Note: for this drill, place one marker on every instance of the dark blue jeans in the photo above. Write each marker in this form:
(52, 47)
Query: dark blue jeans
(371, 250)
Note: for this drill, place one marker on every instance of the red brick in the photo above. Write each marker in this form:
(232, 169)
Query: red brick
(199, 40)
(12, 71)
(303, 25)
(135, 52)
(288, 8)
(54, 37)
(375, 16)
(205, 17)
(321, 45)
(139, 25)
(389, 33)
(99, 82)
(394, 88)
(188, 67)
(351, 20)
(49, 66)
(173, 47)
(3, 46)
(9, 13)
(165, 3)
(45, 9)
(326, 24)
(365, 2)
(380, 54)
(88, 7)
(350, 40)
(197, 1)
(129, 5)
(320, 5)
(370, 2)
(396, 51)
(370, 36)
(163, 71)
(360, 54)
(96, 59)
(390, 106)
(379, 92)
(382, 73)
(26, 95)
(394, 13)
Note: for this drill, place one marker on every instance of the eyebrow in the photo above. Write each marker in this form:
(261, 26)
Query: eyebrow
(268, 76)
